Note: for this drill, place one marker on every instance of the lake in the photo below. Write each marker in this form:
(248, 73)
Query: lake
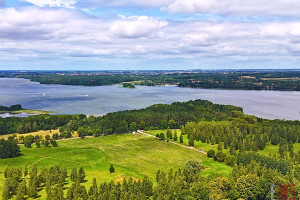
(103, 99)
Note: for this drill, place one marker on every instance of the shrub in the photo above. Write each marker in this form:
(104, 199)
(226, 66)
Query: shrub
(211, 153)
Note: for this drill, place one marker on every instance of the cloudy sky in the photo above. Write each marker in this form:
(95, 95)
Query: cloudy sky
(156, 34)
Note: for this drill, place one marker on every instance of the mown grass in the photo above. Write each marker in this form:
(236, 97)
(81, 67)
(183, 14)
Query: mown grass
(132, 155)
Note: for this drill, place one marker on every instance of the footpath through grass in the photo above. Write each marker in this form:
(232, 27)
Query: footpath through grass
(132, 156)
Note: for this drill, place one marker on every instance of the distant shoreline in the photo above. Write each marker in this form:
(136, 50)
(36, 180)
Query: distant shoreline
(27, 111)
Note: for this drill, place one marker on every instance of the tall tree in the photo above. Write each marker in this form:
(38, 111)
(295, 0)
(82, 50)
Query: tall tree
(112, 169)
(81, 175)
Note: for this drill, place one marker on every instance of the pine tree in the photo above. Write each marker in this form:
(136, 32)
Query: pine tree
(25, 171)
(191, 141)
(57, 193)
(291, 149)
(175, 136)
(81, 175)
(21, 191)
(282, 148)
(112, 169)
(169, 133)
(32, 189)
(74, 175)
(147, 187)
(5, 192)
(93, 192)
(181, 138)
(220, 146)
(48, 188)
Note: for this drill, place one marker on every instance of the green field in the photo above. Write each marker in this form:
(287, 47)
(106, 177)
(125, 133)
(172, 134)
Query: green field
(132, 156)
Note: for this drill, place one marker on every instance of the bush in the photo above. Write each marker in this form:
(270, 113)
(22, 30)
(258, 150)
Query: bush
(230, 160)
(211, 153)
(220, 156)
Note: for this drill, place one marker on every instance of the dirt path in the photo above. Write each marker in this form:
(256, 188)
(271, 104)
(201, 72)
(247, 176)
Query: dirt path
(182, 145)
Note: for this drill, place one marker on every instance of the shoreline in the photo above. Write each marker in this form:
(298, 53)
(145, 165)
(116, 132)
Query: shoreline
(27, 111)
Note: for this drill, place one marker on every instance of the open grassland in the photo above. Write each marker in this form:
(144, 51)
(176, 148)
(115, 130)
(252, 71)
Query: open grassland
(41, 133)
(132, 156)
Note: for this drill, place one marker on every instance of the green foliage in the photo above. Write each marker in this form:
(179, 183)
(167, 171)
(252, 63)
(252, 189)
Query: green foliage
(175, 136)
(191, 141)
(211, 153)
(220, 156)
(74, 175)
(181, 138)
(11, 108)
(169, 133)
(111, 169)
(81, 175)
(128, 85)
(230, 160)
(281, 165)
(9, 148)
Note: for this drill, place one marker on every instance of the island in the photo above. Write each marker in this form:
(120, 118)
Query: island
(17, 109)
(129, 85)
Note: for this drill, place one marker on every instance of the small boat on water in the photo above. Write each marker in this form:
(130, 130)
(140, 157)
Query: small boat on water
(44, 94)
(81, 95)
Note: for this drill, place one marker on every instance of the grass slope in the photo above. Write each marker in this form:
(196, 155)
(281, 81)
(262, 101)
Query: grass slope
(132, 156)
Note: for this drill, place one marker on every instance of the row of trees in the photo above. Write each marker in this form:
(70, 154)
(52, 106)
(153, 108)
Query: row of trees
(247, 181)
(11, 108)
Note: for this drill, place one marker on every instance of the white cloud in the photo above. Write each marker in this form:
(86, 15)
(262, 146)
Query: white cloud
(124, 3)
(56, 34)
(53, 3)
(136, 26)
(236, 7)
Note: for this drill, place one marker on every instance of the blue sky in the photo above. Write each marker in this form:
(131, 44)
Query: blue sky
(157, 34)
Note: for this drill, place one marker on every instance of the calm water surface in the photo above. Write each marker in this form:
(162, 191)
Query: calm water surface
(104, 99)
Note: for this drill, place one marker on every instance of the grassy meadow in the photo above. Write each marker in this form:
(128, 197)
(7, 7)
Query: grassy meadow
(132, 156)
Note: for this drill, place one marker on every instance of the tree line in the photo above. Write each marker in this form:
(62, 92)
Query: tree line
(271, 80)
(247, 181)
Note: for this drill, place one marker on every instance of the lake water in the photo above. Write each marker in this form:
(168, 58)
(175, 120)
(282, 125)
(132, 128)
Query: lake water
(103, 99)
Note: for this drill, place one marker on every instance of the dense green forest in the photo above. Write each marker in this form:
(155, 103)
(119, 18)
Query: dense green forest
(260, 80)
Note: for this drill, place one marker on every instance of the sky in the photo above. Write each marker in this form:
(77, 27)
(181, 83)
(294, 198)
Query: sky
(147, 35)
